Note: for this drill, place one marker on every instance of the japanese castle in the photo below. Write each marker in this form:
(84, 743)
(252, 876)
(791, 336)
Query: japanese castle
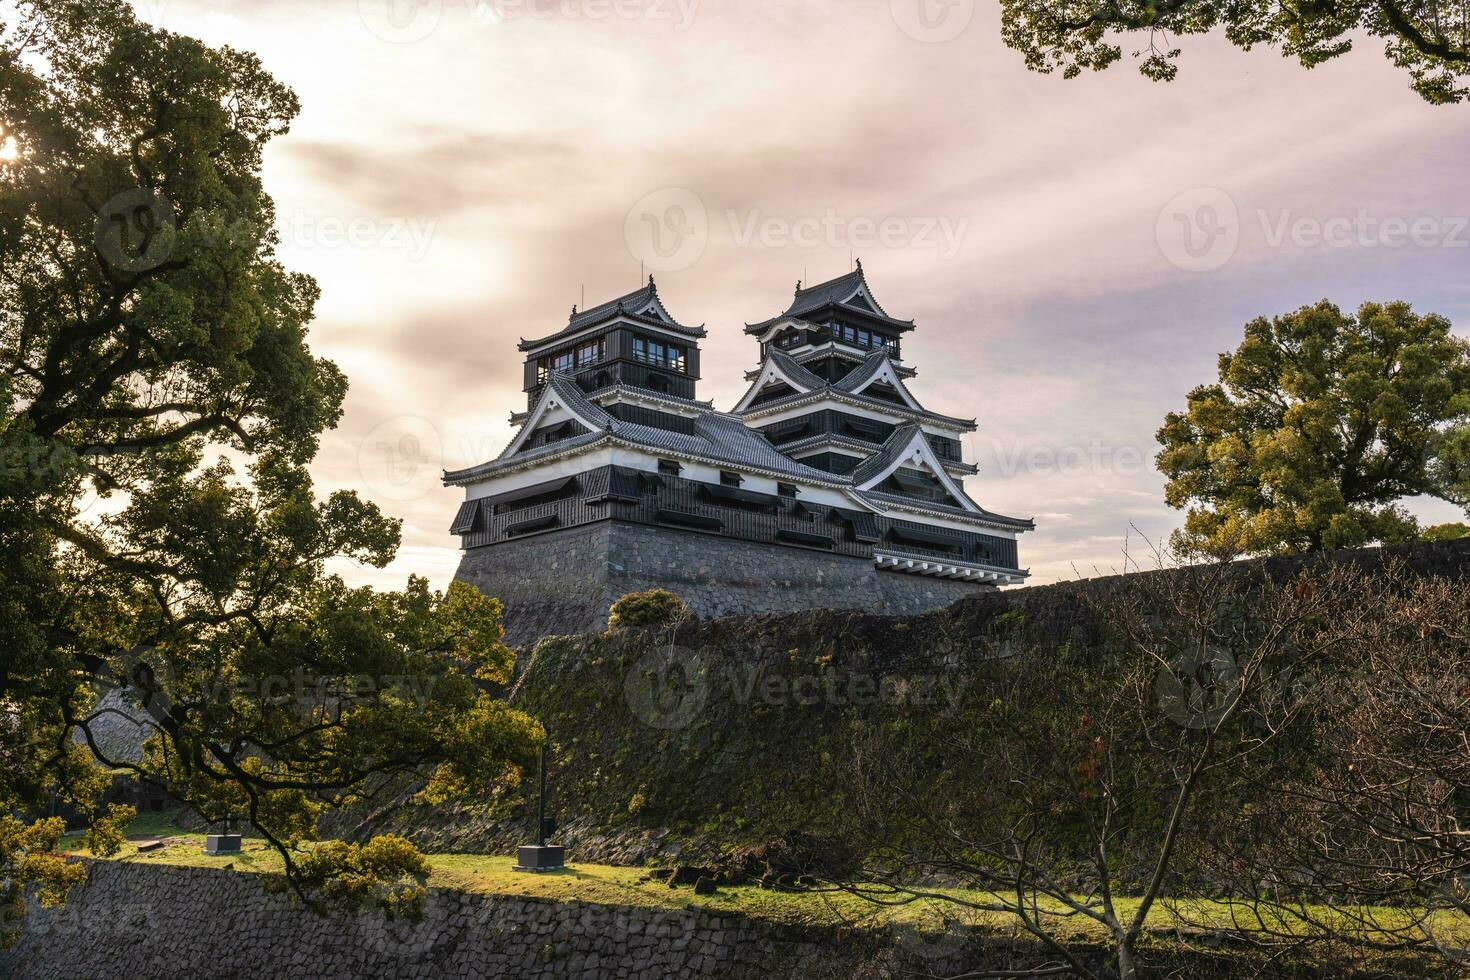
(827, 485)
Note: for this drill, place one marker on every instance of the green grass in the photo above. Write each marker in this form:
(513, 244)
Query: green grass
(608, 885)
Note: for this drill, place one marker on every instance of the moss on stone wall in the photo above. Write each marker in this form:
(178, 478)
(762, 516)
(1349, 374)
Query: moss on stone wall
(682, 745)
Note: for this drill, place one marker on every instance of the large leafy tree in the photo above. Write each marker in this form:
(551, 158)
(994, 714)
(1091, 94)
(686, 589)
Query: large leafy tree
(1430, 39)
(1319, 424)
(159, 530)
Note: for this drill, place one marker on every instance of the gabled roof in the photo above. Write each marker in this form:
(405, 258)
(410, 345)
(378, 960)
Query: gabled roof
(779, 365)
(641, 304)
(560, 391)
(877, 365)
(883, 502)
(831, 350)
(900, 445)
(869, 402)
(908, 443)
(850, 292)
(717, 438)
(860, 448)
(807, 385)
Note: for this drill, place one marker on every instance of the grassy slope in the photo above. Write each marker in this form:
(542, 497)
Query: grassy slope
(624, 886)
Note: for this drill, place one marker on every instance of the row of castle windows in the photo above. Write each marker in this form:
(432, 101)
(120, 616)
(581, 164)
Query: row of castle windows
(645, 349)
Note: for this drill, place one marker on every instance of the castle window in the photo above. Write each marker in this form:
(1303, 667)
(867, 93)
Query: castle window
(554, 362)
(667, 467)
(730, 479)
(785, 490)
(660, 354)
(590, 353)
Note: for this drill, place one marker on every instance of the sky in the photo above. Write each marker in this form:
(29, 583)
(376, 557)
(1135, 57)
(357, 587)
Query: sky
(1076, 253)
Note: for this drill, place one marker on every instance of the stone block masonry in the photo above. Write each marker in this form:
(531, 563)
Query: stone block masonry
(565, 581)
(165, 922)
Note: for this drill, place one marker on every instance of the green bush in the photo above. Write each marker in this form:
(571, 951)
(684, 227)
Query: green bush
(647, 610)
(1445, 532)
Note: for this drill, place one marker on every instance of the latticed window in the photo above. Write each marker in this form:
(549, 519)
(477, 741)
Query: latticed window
(590, 353)
(658, 353)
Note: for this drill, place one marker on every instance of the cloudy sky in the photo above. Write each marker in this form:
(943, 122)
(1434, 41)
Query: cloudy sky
(1076, 253)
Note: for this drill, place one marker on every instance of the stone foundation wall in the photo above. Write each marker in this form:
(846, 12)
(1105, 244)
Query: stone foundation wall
(565, 581)
(165, 922)
(551, 583)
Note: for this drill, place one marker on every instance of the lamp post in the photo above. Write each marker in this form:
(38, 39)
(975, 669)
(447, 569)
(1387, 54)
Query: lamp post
(541, 856)
(225, 843)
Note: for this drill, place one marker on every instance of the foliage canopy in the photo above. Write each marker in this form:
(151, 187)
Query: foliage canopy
(165, 552)
(1320, 422)
(1429, 39)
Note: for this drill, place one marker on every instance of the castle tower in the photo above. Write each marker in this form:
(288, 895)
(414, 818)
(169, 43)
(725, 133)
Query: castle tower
(828, 485)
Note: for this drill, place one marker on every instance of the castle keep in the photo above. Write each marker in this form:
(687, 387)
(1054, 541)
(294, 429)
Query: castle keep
(828, 485)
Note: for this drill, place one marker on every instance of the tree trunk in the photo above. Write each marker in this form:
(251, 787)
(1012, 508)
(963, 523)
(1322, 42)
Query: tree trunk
(1127, 966)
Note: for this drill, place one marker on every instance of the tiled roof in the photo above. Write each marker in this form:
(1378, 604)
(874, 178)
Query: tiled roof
(717, 438)
(641, 304)
(832, 291)
(865, 400)
(891, 453)
(862, 374)
(793, 369)
(990, 517)
(643, 394)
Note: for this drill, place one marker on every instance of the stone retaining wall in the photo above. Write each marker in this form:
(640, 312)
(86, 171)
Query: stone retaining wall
(159, 921)
(564, 581)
